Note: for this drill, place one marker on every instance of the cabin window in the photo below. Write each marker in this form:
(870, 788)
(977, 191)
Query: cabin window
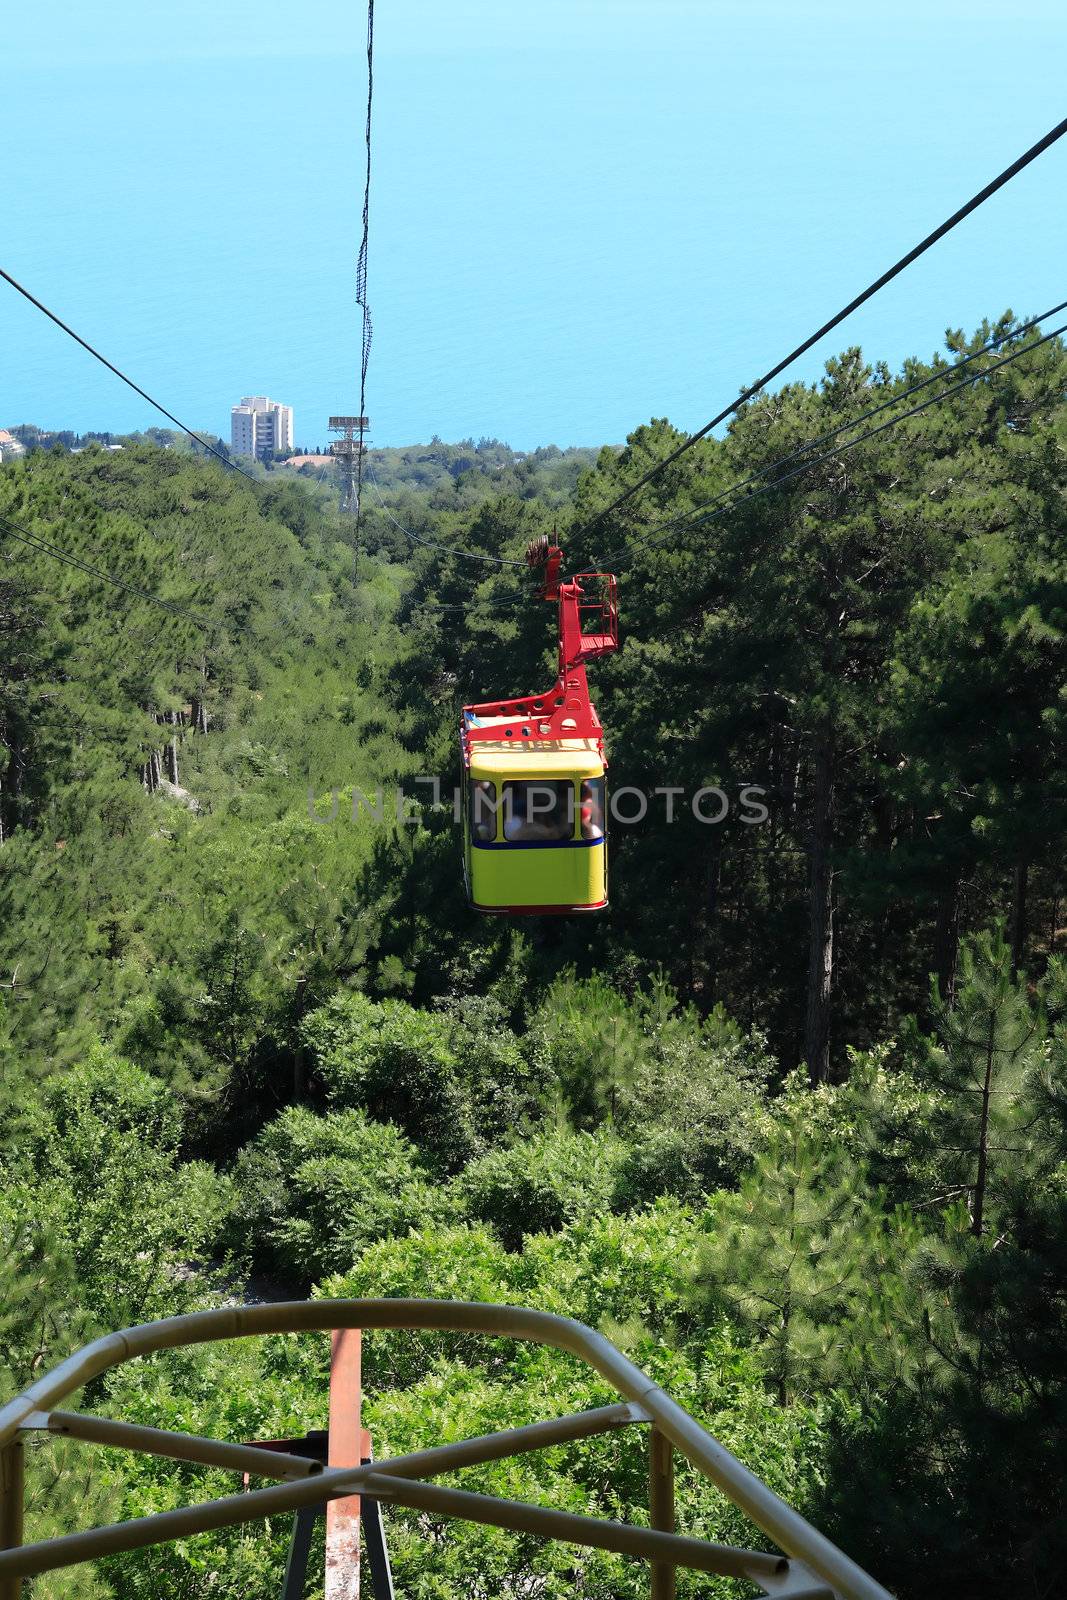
(591, 809)
(483, 808)
(538, 812)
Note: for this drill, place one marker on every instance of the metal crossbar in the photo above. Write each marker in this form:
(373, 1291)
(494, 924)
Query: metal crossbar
(812, 1568)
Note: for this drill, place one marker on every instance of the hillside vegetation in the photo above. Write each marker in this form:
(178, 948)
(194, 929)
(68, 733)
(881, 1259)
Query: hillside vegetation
(790, 1122)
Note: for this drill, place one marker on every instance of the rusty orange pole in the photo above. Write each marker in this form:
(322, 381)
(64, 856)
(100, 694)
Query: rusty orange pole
(12, 1496)
(661, 1507)
(345, 1450)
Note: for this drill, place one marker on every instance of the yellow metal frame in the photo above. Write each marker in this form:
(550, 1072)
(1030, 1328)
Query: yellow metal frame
(812, 1568)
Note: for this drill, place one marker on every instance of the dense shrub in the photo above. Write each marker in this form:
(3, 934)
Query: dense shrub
(543, 1182)
(688, 1094)
(98, 1169)
(694, 1111)
(100, 1224)
(453, 1080)
(509, 1077)
(312, 1191)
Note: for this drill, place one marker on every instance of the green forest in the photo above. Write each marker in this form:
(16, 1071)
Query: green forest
(788, 1122)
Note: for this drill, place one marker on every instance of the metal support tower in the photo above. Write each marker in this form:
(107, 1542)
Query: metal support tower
(348, 449)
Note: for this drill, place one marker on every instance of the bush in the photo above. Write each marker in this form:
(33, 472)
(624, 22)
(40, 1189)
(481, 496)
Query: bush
(884, 1115)
(509, 1077)
(98, 1165)
(454, 1080)
(542, 1183)
(687, 1093)
(93, 1107)
(312, 1191)
(594, 1039)
(695, 1112)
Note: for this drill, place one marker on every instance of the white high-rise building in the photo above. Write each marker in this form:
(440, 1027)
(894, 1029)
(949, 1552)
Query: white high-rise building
(260, 426)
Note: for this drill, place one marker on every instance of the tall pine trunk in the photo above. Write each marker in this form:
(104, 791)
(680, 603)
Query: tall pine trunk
(1018, 916)
(171, 753)
(820, 912)
(947, 938)
(978, 1208)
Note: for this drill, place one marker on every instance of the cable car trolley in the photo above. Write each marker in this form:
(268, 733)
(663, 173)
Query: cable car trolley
(535, 807)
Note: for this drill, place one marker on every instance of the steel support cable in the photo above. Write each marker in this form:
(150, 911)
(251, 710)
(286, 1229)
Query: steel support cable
(136, 387)
(442, 605)
(431, 544)
(45, 547)
(488, 609)
(873, 432)
(872, 289)
(687, 522)
(682, 520)
(361, 301)
(81, 516)
(883, 427)
(361, 273)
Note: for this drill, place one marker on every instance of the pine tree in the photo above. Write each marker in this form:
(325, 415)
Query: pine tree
(965, 1462)
(801, 1255)
(23, 709)
(989, 1049)
(67, 1486)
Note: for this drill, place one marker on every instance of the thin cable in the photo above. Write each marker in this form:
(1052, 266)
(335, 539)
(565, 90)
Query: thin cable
(503, 603)
(36, 542)
(681, 621)
(682, 520)
(136, 387)
(44, 546)
(913, 254)
(361, 274)
(430, 544)
(883, 427)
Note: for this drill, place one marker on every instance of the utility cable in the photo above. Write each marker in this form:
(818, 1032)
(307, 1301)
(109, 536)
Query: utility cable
(470, 608)
(361, 274)
(872, 289)
(45, 547)
(430, 544)
(871, 433)
(681, 521)
(136, 387)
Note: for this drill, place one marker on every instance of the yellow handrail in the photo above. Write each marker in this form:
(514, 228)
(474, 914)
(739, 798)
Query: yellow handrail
(815, 1569)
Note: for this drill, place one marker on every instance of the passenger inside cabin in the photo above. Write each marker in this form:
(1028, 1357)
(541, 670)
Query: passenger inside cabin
(591, 812)
(538, 813)
(483, 804)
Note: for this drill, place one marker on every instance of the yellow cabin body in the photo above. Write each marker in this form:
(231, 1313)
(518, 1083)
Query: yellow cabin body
(535, 827)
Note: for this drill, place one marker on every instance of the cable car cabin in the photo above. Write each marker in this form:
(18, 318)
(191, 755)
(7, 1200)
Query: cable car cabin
(534, 801)
(534, 834)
